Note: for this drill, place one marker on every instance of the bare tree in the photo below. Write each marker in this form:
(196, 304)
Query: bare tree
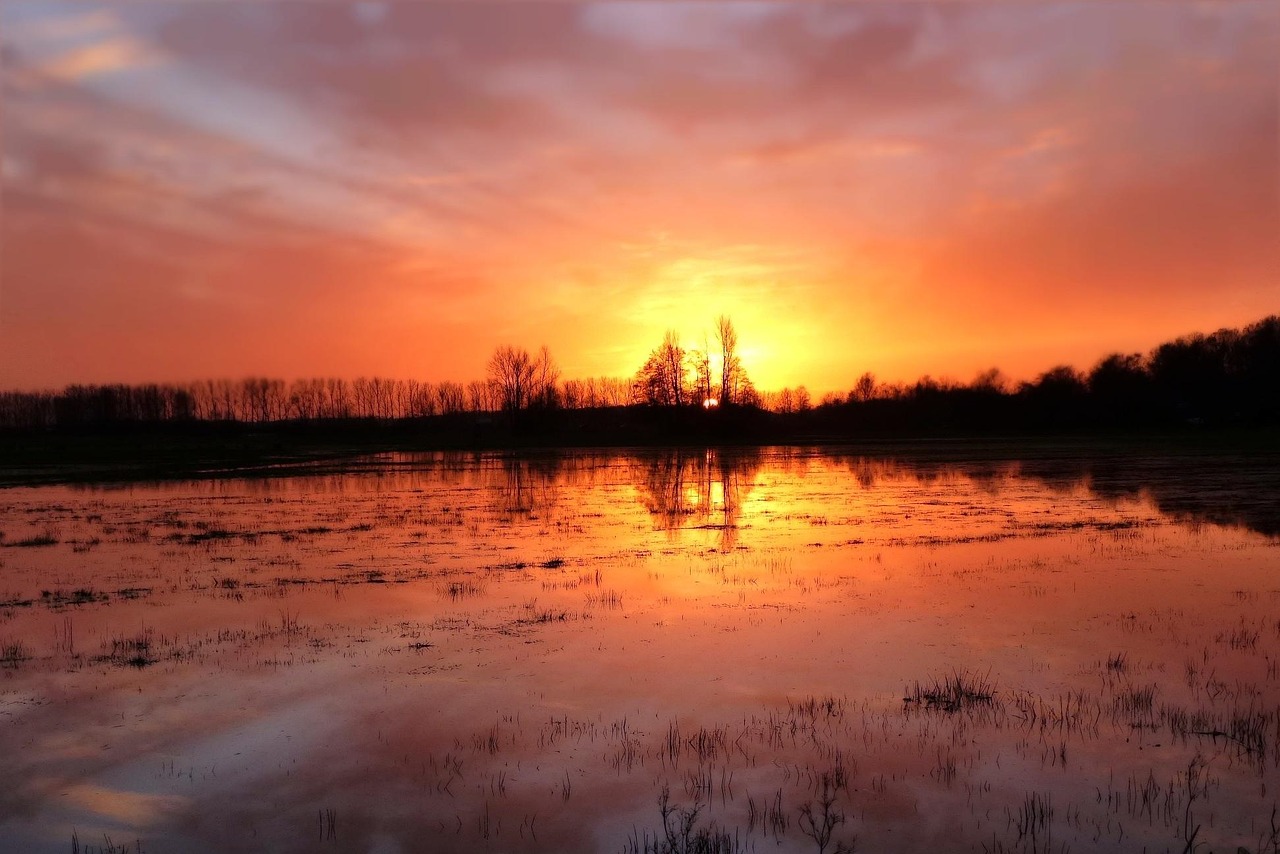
(865, 388)
(422, 399)
(728, 338)
(546, 376)
(702, 371)
(304, 399)
(570, 395)
(482, 396)
(673, 359)
(511, 371)
(802, 400)
(663, 379)
(650, 386)
(451, 397)
(338, 398)
(613, 391)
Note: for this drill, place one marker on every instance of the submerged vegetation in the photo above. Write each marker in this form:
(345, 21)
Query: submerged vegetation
(953, 692)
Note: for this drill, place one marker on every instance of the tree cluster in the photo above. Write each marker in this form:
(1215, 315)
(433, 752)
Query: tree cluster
(521, 381)
(1231, 376)
(673, 376)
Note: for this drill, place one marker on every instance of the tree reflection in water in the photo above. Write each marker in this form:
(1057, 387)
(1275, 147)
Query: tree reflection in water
(529, 484)
(704, 488)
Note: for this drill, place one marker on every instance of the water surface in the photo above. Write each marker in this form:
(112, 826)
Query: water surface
(569, 651)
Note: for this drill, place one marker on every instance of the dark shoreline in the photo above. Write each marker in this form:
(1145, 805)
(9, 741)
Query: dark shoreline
(134, 453)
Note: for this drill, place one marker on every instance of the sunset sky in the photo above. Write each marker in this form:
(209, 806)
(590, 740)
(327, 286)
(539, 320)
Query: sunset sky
(318, 189)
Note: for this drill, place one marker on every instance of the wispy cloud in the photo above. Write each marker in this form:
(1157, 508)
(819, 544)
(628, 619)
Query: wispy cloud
(123, 54)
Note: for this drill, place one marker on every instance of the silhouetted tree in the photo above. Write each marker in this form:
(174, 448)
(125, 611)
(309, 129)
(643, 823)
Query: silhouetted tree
(573, 394)
(1255, 367)
(830, 400)
(701, 360)
(451, 397)
(546, 375)
(422, 399)
(1120, 389)
(613, 391)
(663, 379)
(511, 371)
(675, 367)
(788, 400)
(481, 396)
(865, 388)
(990, 381)
(595, 392)
(1056, 399)
(727, 337)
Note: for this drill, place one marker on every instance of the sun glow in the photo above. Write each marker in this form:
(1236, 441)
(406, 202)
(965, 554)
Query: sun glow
(854, 226)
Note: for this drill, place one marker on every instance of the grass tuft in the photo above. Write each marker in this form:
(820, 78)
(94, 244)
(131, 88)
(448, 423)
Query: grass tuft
(953, 692)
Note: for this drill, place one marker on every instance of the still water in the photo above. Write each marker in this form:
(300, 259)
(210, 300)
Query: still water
(733, 650)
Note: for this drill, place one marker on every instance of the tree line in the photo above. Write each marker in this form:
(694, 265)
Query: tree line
(259, 400)
(1229, 376)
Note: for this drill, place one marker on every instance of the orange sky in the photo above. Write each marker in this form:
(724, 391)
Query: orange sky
(298, 189)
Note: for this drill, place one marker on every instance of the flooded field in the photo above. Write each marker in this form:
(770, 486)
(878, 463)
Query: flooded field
(746, 650)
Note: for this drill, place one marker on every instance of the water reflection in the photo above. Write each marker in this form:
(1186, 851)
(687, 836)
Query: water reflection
(684, 488)
(1221, 489)
(508, 656)
(705, 488)
(1232, 491)
(529, 485)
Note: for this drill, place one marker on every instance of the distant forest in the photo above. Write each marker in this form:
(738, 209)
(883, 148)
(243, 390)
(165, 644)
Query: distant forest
(1230, 377)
